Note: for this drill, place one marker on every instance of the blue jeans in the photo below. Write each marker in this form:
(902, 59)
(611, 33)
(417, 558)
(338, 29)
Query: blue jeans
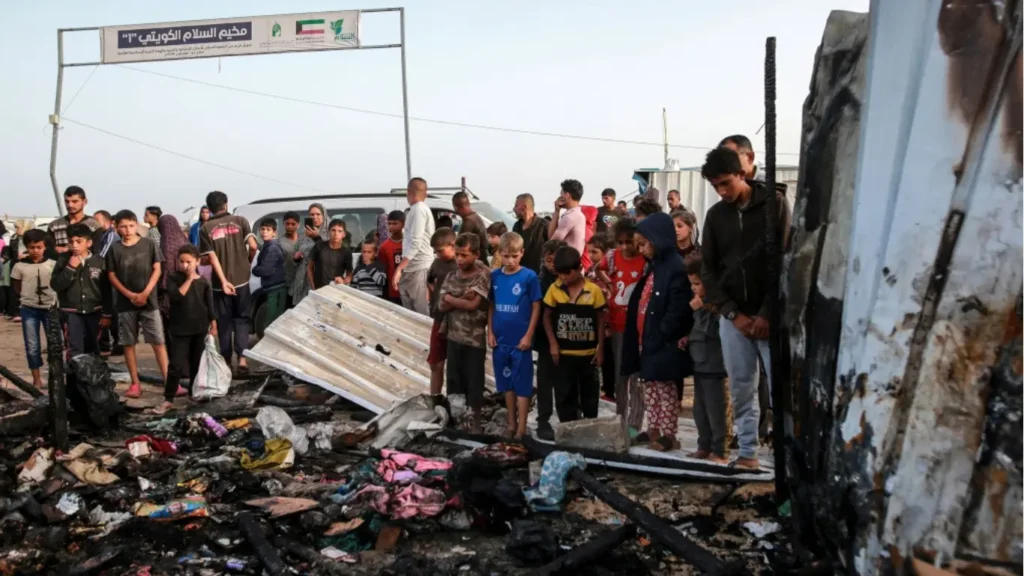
(32, 319)
(741, 355)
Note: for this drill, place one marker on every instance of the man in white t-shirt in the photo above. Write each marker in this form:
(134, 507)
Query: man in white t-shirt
(410, 276)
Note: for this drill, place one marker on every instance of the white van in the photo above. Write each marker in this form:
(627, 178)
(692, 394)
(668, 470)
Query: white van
(360, 213)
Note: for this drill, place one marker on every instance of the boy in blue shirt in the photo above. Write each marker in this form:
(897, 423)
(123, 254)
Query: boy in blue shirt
(511, 321)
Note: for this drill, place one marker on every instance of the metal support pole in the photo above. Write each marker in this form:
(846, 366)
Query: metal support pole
(664, 134)
(55, 121)
(405, 98)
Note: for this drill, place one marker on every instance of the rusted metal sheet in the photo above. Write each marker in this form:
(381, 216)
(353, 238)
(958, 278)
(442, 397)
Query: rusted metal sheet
(921, 451)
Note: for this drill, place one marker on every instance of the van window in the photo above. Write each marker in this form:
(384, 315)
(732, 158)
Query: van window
(358, 223)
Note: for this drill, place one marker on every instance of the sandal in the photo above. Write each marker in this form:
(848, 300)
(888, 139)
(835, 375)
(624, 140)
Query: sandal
(699, 454)
(163, 409)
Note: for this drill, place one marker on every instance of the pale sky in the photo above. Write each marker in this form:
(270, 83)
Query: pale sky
(589, 68)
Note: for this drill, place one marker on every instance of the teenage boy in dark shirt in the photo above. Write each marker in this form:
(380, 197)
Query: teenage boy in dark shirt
(133, 267)
(191, 318)
(608, 213)
(332, 261)
(83, 291)
(735, 277)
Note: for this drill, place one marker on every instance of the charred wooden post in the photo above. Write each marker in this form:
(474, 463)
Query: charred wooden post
(589, 551)
(267, 554)
(656, 527)
(773, 252)
(320, 563)
(20, 382)
(56, 381)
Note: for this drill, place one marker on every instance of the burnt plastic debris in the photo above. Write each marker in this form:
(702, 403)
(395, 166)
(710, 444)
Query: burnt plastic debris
(531, 543)
(91, 392)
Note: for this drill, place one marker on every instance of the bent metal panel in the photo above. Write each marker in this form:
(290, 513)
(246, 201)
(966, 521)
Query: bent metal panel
(229, 37)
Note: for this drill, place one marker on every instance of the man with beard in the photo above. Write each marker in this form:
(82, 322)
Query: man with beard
(57, 231)
(533, 229)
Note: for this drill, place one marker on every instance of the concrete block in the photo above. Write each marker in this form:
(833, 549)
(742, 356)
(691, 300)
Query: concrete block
(608, 433)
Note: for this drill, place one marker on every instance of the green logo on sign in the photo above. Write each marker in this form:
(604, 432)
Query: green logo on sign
(339, 37)
(276, 30)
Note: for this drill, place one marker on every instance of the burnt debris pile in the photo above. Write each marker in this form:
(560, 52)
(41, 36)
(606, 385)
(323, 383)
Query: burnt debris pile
(274, 479)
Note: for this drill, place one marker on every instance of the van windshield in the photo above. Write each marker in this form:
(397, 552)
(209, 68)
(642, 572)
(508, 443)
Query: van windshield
(492, 214)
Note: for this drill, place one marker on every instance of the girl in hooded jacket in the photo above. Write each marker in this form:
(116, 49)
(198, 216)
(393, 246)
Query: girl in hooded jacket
(658, 316)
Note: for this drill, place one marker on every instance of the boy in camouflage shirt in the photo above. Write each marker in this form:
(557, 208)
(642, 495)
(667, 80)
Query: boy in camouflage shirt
(464, 302)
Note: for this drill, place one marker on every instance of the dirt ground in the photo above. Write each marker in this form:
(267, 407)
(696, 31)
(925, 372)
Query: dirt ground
(12, 356)
(713, 515)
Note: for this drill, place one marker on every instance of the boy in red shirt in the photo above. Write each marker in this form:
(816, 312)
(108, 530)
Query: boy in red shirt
(620, 270)
(390, 253)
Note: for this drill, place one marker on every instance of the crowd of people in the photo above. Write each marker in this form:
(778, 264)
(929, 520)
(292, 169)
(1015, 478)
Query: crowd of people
(624, 304)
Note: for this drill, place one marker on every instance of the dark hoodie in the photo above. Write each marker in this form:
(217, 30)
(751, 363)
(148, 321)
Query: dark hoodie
(270, 265)
(735, 271)
(669, 317)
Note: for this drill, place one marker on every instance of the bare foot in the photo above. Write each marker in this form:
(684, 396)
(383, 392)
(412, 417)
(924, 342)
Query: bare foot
(717, 459)
(509, 432)
(746, 463)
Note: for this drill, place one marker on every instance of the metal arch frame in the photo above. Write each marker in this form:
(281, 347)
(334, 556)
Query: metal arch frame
(61, 65)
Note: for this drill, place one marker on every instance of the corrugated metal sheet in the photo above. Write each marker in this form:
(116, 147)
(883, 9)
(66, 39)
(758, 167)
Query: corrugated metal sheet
(367, 350)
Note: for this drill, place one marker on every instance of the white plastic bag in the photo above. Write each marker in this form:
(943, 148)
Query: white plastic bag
(214, 377)
(276, 423)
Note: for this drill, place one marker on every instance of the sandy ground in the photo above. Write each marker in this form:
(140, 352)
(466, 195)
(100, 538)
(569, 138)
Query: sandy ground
(12, 356)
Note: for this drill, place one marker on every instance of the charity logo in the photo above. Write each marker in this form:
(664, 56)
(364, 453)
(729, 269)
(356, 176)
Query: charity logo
(507, 372)
(309, 27)
(517, 289)
(276, 30)
(339, 36)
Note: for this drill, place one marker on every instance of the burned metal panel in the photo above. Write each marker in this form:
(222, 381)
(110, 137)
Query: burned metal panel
(815, 273)
(992, 524)
(933, 277)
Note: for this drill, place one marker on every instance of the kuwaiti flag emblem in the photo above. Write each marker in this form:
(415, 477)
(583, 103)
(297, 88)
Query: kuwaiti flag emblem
(309, 27)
